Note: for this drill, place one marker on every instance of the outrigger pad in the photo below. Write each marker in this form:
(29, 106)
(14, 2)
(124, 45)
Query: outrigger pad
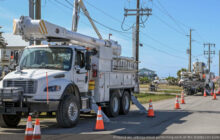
(95, 108)
(138, 104)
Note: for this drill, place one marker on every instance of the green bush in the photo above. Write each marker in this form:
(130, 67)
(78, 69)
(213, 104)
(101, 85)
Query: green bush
(144, 80)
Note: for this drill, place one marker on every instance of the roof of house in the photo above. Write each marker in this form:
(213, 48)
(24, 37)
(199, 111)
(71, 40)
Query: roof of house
(145, 69)
(14, 40)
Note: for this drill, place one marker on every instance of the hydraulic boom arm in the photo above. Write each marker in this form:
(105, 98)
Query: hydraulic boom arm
(42, 30)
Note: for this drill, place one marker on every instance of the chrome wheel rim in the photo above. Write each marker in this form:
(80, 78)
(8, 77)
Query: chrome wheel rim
(72, 111)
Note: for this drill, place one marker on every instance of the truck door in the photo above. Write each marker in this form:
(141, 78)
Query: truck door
(80, 73)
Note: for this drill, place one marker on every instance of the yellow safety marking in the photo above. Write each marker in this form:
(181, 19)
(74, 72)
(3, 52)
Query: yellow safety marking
(41, 27)
(40, 30)
(14, 26)
(44, 27)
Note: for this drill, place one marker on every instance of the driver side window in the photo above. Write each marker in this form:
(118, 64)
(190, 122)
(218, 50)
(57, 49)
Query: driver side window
(79, 59)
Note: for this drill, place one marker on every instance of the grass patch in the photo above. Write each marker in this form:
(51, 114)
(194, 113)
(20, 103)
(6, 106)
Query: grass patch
(170, 91)
(145, 97)
(165, 86)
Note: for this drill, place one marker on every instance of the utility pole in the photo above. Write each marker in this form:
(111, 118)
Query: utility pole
(190, 50)
(75, 18)
(38, 15)
(137, 35)
(209, 53)
(35, 13)
(137, 12)
(31, 14)
(219, 64)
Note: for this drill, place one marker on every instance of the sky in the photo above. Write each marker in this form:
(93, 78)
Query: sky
(163, 35)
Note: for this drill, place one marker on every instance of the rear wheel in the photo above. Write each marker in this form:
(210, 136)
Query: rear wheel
(114, 105)
(68, 111)
(9, 120)
(125, 103)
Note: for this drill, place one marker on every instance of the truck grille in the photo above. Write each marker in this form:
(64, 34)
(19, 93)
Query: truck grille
(29, 86)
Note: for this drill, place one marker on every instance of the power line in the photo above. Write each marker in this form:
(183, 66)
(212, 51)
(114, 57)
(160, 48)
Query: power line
(105, 26)
(61, 3)
(117, 20)
(199, 35)
(68, 2)
(98, 21)
(159, 42)
(168, 25)
(209, 53)
(177, 22)
(147, 45)
(165, 11)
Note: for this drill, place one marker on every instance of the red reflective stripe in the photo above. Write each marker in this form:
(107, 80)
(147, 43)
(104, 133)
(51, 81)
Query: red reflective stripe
(29, 129)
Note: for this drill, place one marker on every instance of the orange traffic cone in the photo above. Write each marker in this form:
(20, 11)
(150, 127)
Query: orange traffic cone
(29, 129)
(177, 105)
(150, 110)
(37, 132)
(204, 93)
(182, 98)
(99, 122)
(214, 96)
(212, 93)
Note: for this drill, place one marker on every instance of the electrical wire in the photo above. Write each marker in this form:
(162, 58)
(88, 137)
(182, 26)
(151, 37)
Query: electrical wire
(177, 22)
(130, 27)
(147, 45)
(168, 25)
(165, 11)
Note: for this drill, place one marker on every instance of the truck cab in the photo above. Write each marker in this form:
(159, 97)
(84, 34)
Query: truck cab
(46, 73)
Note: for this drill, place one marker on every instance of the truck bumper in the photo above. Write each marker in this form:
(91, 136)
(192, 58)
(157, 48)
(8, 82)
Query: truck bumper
(12, 101)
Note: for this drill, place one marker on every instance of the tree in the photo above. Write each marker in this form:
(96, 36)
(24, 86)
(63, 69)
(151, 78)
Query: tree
(2, 40)
(144, 80)
(172, 80)
(179, 72)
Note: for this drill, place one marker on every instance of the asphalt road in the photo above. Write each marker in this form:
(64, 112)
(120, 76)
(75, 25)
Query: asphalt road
(200, 115)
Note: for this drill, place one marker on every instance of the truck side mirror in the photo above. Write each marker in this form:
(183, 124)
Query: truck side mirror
(88, 60)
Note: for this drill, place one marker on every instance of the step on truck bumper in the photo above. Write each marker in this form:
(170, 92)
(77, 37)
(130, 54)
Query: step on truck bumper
(13, 101)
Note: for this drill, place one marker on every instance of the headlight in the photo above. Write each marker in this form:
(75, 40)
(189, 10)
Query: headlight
(53, 88)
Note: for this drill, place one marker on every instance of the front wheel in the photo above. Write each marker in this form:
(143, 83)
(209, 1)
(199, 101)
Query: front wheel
(68, 111)
(9, 120)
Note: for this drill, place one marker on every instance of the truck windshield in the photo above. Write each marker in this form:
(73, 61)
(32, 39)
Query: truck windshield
(48, 58)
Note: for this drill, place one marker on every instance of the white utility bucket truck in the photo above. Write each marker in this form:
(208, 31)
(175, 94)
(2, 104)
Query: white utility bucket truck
(76, 76)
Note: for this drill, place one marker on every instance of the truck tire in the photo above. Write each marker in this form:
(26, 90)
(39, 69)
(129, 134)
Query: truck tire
(9, 120)
(125, 103)
(114, 105)
(68, 111)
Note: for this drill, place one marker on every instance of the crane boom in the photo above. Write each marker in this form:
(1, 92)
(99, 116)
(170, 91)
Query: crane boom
(31, 29)
(77, 5)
